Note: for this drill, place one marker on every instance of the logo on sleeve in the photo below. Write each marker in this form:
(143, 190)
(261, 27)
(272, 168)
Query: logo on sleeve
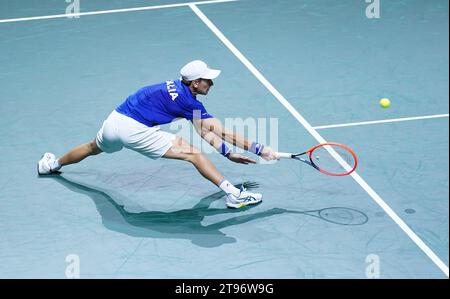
(172, 89)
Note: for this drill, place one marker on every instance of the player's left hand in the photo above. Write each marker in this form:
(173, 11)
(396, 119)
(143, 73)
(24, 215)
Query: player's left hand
(240, 159)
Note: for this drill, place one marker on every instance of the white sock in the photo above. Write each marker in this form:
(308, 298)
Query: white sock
(228, 188)
(55, 165)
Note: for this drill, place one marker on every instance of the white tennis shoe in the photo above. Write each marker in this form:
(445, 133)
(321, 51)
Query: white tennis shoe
(245, 198)
(43, 166)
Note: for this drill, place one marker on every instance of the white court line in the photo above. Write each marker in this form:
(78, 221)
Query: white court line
(101, 12)
(320, 139)
(362, 123)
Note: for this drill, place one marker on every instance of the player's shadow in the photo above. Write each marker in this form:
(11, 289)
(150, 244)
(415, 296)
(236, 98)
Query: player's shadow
(187, 223)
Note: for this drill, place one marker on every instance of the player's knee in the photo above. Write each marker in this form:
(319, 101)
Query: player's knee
(195, 151)
(185, 151)
(93, 148)
(195, 156)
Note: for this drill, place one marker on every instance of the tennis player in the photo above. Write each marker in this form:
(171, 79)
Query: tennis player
(135, 125)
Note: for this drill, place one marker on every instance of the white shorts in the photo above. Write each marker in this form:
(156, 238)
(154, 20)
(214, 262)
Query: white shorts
(119, 131)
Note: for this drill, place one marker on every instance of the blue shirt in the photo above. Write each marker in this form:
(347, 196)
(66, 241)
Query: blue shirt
(162, 103)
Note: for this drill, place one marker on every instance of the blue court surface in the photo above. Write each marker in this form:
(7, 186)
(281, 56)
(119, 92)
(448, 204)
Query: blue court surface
(304, 70)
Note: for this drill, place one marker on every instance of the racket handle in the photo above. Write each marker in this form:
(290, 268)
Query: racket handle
(284, 155)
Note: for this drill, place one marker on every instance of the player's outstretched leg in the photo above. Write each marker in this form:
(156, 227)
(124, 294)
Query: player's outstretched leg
(49, 164)
(236, 198)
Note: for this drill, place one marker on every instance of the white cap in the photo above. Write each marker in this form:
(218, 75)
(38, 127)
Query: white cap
(198, 69)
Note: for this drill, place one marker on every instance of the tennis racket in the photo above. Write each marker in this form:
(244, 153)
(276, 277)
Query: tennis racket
(329, 158)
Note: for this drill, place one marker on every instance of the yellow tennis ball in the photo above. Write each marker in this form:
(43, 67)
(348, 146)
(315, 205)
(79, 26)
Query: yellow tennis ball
(385, 103)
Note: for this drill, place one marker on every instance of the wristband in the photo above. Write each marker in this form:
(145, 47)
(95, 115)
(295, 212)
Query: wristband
(256, 148)
(224, 150)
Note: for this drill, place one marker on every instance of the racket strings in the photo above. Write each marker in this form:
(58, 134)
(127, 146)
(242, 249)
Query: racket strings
(326, 162)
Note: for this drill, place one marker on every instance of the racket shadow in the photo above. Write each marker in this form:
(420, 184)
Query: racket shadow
(182, 224)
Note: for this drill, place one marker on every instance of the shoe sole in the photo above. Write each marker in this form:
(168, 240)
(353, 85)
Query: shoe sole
(241, 205)
(37, 166)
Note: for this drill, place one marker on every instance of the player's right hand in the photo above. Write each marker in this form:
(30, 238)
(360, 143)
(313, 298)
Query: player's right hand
(269, 154)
